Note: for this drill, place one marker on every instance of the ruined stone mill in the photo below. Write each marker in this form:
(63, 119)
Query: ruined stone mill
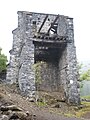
(43, 56)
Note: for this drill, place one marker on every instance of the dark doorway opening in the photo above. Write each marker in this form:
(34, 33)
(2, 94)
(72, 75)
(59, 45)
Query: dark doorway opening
(47, 57)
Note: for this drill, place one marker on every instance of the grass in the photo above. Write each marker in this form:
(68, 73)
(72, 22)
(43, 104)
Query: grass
(41, 104)
(84, 110)
(86, 107)
(69, 115)
(85, 97)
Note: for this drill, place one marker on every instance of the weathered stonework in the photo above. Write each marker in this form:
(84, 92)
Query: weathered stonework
(45, 41)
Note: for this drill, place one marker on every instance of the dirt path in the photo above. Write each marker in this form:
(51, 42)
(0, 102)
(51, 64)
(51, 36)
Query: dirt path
(22, 102)
(50, 116)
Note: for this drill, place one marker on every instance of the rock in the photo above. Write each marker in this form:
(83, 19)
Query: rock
(14, 116)
(33, 117)
(11, 107)
(20, 115)
(27, 112)
(31, 99)
(86, 100)
(57, 105)
(4, 108)
(4, 117)
(79, 107)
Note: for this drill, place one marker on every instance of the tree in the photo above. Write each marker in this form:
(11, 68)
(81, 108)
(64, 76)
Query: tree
(3, 61)
(84, 75)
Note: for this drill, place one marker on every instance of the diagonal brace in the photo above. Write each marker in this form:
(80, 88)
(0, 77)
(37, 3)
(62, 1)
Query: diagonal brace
(53, 23)
(42, 23)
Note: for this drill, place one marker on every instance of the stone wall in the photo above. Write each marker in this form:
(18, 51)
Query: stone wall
(72, 72)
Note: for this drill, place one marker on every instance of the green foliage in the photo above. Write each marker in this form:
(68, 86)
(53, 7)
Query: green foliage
(3, 61)
(37, 68)
(85, 75)
(41, 104)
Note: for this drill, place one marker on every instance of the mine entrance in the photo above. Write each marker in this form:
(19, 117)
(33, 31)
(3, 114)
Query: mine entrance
(47, 69)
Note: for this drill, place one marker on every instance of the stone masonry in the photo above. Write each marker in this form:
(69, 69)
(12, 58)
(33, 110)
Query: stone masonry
(43, 56)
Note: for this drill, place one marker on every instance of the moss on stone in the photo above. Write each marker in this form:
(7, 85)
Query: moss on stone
(37, 68)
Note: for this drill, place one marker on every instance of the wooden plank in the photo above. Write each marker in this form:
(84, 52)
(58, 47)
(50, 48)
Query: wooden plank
(42, 23)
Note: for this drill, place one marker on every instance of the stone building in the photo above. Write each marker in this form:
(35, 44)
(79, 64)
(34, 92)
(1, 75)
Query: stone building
(43, 56)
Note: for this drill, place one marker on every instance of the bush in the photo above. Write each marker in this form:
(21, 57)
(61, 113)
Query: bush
(3, 61)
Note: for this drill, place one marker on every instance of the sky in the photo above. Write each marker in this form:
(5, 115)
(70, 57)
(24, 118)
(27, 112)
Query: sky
(78, 9)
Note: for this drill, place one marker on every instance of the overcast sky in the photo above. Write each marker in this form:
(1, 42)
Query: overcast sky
(78, 9)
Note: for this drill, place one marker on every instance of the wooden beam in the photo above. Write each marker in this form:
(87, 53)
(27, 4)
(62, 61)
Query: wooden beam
(53, 23)
(42, 23)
